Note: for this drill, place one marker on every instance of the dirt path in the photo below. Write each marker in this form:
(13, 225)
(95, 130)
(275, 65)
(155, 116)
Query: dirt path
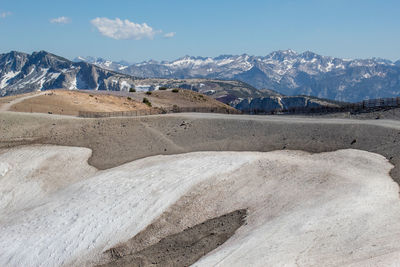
(7, 106)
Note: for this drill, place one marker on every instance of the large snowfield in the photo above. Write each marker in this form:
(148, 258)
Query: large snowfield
(330, 209)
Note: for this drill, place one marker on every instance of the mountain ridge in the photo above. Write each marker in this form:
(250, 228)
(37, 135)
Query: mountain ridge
(284, 71)
(21, 72)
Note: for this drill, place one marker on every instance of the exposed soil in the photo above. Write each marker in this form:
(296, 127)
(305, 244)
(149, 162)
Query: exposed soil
(181, 249)
(167, 98)
(71, 102)
(384, 114)
(115, 141)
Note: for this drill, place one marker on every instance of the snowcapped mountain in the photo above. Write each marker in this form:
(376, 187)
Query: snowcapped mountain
(20, 73)
(103, 63)
(285, 71)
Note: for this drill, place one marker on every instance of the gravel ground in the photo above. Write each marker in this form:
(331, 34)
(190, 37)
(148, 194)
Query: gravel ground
(388, 114)
(115, 141)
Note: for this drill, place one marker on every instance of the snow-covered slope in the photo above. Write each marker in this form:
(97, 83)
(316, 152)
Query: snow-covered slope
(103, 63)
(287, 72)
(325, 209)
(21, 73)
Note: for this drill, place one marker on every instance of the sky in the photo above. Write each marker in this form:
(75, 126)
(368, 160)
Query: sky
(136, 31)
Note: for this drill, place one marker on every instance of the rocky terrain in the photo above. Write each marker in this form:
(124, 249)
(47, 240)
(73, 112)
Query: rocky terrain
(287, 72)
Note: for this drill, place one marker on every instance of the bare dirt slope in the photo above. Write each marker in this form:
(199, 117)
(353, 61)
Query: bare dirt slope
(167, 98)
(388, 114)
(71, 102)
(115, 141)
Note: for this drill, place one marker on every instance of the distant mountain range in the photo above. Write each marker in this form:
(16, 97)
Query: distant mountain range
(21, 72)
(286, 72)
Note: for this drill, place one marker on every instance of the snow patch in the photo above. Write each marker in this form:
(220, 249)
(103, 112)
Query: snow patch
(336, 192)
(366, 75)
(4, 167)
(143, 87)
(73, 84)
(55, 75)
(99, 212)
(6, 77)
(31, 71)
(225, 61)
(125, 85)
(188, 61)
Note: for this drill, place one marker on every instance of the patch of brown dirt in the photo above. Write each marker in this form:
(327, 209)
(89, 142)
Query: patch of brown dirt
(167, 99)
(184, 248)
(184, 98)
(71, 102)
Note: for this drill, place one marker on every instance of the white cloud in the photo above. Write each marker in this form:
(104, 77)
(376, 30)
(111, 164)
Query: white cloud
(123, 29)
(5, 14)
(169, 34)
(61, 20)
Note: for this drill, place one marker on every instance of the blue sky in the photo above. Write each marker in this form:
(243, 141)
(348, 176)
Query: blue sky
(350, 29)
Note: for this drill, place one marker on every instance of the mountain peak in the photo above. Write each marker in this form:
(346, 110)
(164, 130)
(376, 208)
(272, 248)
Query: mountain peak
(45, 56)
(223, 57)
(282, 54)
(289, 52)
(382, 60)
(309, 55)
(13, 52)
(41, 53)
